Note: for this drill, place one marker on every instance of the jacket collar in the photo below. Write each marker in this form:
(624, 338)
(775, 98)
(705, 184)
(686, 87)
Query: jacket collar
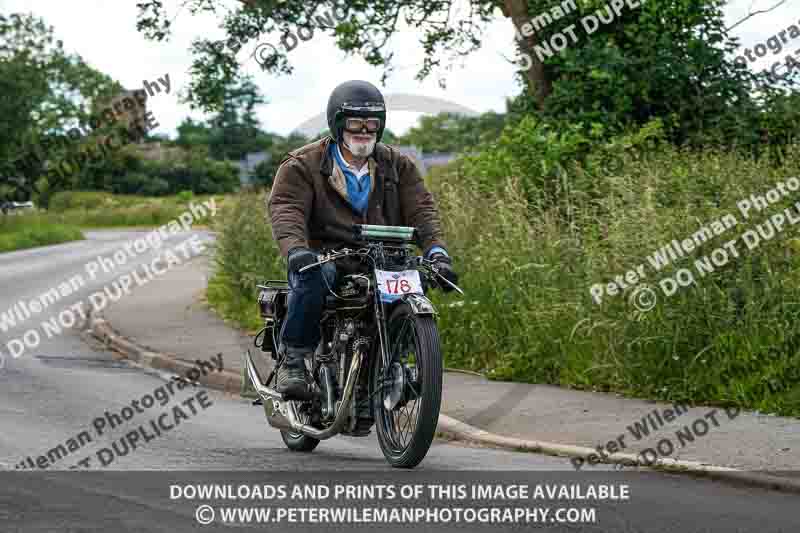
(326, 163)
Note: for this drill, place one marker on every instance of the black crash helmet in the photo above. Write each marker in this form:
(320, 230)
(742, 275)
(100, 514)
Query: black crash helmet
(355, 98)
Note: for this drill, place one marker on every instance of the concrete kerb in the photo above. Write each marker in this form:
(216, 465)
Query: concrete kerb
(460, 431)
(450, 427)
(224, 380)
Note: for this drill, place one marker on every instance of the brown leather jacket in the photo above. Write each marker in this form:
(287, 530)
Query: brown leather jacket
(308, 197)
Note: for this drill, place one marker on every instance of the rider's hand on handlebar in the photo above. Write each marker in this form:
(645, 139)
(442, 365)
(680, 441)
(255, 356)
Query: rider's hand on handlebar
(300, 257)
(443, 264)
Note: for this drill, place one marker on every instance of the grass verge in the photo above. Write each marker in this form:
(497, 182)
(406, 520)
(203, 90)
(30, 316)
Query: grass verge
(19, 232)
(88, 209)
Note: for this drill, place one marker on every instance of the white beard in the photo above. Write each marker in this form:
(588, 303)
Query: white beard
(361, 150)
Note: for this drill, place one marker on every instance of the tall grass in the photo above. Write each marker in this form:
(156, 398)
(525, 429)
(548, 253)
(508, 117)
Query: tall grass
(245, 255)
(731, 338)
(526, 266)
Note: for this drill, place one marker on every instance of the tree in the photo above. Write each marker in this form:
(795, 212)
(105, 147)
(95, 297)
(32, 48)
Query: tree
(235, 129)
(192, 134)
(360, 27)
(451, 132)
(47, 93)
(657, 59)
(264, 173)
(389, 137)
(23, 88)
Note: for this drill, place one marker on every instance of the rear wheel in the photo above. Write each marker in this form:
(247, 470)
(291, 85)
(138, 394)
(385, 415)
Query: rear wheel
(298, 442)
(406, 410)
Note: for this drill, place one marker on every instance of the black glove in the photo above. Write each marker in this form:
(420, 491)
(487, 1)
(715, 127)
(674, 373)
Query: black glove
(443, 263)
(300, 257)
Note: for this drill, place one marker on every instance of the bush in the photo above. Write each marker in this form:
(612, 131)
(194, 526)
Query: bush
(264, 173)
(62, 201)
(126, 172)
(551, 162)
(185, 196)
(194, 172)
(155, 187)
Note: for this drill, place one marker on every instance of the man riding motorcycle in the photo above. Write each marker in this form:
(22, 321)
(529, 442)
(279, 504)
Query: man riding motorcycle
(343, 179)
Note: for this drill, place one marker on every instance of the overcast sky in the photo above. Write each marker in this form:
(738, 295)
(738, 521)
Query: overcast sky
(104, 33)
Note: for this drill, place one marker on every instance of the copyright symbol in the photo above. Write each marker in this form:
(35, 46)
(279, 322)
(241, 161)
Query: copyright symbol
(204, 515)
(263, 52)
(643, 298)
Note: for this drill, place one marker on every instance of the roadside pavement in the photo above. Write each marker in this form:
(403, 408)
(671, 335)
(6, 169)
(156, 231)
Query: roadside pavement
(170, 316)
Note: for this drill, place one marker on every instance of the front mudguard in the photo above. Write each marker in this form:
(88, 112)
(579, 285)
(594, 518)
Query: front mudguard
(419, 305)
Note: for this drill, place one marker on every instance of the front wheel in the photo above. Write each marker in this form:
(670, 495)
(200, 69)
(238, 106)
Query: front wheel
(406, 410)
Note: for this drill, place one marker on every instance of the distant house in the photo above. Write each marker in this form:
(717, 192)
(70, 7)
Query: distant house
(157, 151)
(435, 159)
(247, 166)
(425, 162)
(415, 154)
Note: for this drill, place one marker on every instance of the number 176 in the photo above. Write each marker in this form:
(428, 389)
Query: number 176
(401, 284)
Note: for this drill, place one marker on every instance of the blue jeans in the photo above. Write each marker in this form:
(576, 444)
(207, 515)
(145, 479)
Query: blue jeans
(304, 306)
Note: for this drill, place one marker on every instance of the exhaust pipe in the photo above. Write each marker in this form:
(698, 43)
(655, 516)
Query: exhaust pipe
(263, 391)
(273, 401)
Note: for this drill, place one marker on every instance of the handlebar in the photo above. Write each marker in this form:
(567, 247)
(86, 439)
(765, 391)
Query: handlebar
(333, 256)
(357, 234)
(346, 252)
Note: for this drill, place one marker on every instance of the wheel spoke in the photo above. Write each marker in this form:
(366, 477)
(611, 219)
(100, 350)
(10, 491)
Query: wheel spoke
(408, 420)
(399, 341)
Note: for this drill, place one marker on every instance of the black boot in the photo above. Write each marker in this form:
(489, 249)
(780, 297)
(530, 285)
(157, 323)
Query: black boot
(292, 380)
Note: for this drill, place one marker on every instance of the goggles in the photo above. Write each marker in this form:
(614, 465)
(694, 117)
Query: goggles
(357, 125)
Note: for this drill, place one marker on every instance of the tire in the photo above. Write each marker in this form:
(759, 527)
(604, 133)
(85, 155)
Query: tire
(297, 442)
(399, 451)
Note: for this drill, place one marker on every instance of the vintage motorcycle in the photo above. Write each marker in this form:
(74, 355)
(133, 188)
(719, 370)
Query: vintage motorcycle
(379, 361)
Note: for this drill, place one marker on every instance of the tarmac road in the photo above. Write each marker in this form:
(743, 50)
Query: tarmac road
(53, 393)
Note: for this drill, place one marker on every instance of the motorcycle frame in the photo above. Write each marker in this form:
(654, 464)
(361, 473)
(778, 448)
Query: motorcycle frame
(282, 414)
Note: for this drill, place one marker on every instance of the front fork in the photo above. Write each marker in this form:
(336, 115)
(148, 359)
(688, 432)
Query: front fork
(394, 375)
